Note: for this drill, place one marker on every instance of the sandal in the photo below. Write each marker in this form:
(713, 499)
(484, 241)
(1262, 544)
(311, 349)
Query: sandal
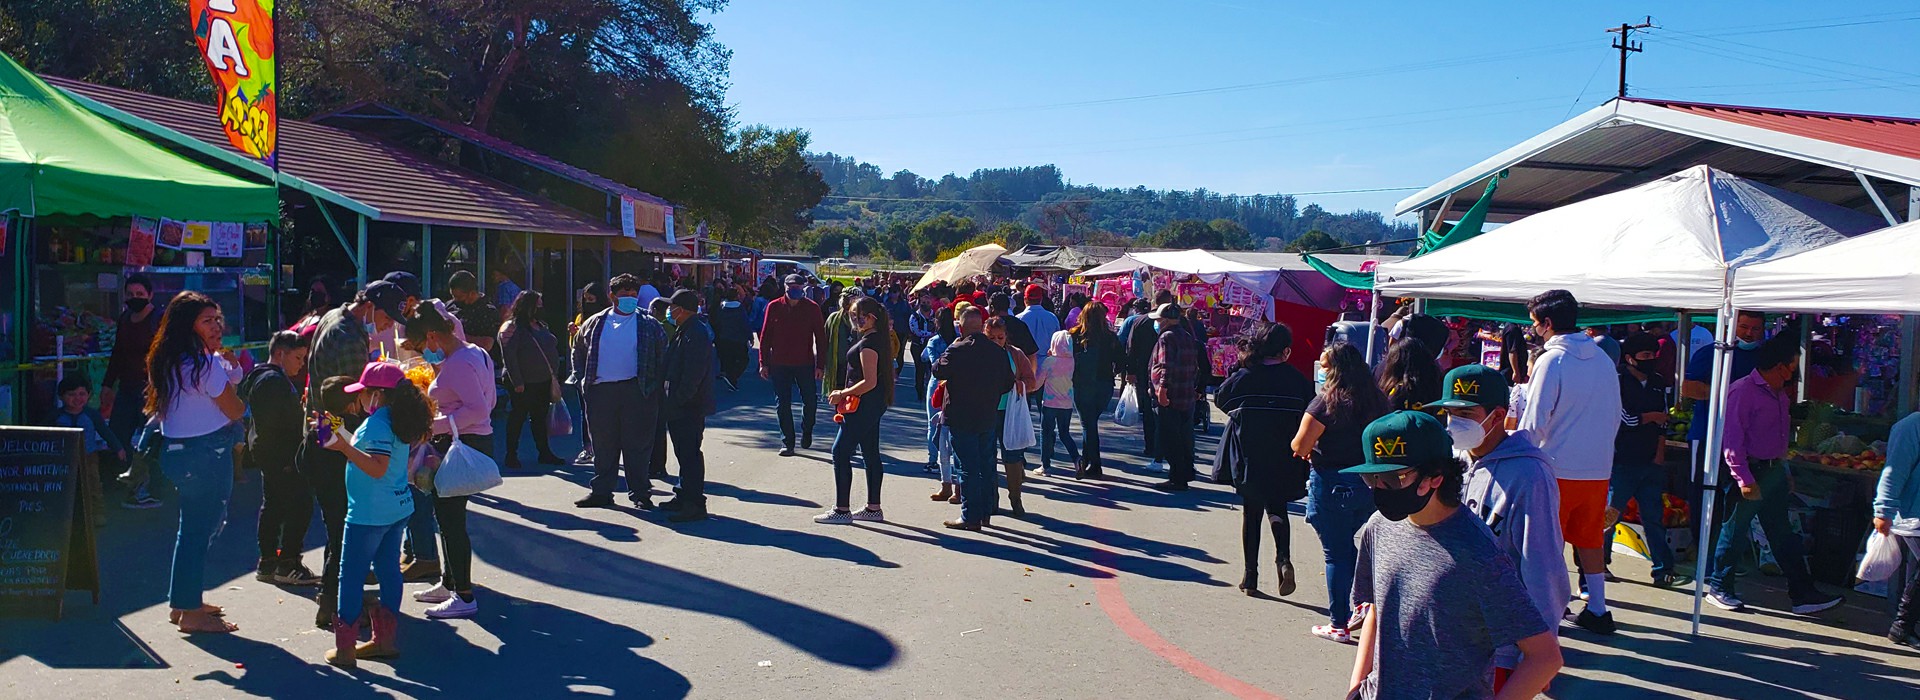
(198, 622)
(1333, 634)
(173, 616)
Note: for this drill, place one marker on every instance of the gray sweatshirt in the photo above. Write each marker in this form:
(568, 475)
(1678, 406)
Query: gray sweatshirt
(1513, 491)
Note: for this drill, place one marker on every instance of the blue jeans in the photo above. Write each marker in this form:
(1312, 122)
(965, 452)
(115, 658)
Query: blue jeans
(1645, 483)
(421, 527)
(979, 486)
(785, 380)
(1771, 509)
(1337, 505)
(202, 469)
(376, 547)
(1091, 402)
(1061, 420)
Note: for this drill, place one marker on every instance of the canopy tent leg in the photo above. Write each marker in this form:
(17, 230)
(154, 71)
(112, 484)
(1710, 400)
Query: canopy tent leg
(1806, 351)
(1373, 323)
(606, 259)
(1683, 349)
(480, 255)
(1909, 344)
(1710, 459)
(529, 259)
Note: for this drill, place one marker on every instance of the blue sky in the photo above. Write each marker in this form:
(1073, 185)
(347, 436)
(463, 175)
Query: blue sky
(1279, 96)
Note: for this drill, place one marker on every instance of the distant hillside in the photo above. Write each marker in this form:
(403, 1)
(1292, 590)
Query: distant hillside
(1037, 204)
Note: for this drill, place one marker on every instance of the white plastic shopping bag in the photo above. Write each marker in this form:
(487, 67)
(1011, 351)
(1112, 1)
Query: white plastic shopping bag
(1881, 560)
(1017, 432)
(1127, 414)
(464, 471)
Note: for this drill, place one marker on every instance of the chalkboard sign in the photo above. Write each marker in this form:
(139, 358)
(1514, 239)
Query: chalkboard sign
(46, 533)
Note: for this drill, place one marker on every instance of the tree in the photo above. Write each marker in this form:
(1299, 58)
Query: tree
(940, 233)
(1312, 241)
(1233, 236)
(1186, 233)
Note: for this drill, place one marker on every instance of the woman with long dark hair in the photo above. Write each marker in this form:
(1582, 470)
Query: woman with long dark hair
(532, 368)
(1338, 504)
(593, 300)
(1264, 401)
(868, 390)
(190, 389)
(1410, 376)
(1097, 359)
(399, 416)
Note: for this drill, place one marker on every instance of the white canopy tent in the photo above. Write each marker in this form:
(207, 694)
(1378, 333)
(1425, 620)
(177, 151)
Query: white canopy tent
(1208, 267)
(978, 260)
(1673, 243)
(1877, 273)
(1670, 243)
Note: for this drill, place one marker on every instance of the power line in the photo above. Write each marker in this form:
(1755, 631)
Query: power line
(1771, 62)
(1042, 201)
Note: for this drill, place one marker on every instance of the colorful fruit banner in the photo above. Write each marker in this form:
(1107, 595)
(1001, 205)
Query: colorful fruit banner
(236, 40)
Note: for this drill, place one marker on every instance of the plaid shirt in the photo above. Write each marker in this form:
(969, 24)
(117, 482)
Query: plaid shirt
(1176, 367)
(650, 335)
(339, 349)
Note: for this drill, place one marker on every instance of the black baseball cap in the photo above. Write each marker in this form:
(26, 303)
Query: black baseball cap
(1468, 386)
(387, 297)
(795, 278)
(687, 299)
(407, 281)
(1400, 440)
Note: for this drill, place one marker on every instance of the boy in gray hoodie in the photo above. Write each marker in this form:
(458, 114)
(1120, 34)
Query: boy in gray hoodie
(1510, 486)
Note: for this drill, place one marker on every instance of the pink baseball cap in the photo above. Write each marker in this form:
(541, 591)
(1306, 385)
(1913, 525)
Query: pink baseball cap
(379, 375)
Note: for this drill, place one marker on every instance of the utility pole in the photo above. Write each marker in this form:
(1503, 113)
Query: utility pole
(1626, 45)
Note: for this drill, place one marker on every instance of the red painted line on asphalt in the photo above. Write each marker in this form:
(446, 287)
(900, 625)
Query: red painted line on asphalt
(1114, 603)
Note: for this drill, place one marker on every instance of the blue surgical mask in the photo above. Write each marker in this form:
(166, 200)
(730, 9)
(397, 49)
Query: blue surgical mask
(372, 329)
(794, 294)
(1319, 376)
(432, 356)
(1746, 344)
(626, 305)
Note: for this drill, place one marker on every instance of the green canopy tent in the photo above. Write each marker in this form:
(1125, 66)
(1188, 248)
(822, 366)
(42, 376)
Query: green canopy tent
(57, 157)
(1469, 225)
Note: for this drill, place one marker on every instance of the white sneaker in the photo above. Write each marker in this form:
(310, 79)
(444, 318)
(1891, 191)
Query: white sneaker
(437, 594)
(870, 515)
(454, 607)
(834, 517)
(1724, 600)
(1037, 473)
(1157, 467)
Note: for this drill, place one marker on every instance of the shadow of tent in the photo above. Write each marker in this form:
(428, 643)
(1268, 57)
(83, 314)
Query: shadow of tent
(574, 652)
(543, 556)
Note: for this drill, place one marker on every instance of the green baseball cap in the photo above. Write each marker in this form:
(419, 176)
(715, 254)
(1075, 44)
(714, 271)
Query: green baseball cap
(1468, 386)
(1402, 439)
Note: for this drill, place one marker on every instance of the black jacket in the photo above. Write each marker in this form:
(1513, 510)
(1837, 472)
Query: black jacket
(729, 323)
(1264, 405)
(689, 370)
(1139, 342)
(977, 373)
(1020, 335)
(1638, 442)
(275, 417)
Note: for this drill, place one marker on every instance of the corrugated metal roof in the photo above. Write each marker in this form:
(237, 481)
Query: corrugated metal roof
(400, 185)
(1898, 136)
(499, 145)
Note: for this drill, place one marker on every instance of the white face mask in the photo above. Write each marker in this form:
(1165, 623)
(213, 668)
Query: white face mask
(1466, 434)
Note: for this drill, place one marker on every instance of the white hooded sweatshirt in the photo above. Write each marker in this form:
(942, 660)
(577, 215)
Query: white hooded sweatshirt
(1573, 407)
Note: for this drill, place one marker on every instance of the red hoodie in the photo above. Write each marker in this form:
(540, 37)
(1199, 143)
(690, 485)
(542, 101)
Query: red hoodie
(793, 334)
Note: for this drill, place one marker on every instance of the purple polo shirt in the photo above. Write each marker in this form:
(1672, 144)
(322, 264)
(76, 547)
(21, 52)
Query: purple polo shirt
(1758, 427)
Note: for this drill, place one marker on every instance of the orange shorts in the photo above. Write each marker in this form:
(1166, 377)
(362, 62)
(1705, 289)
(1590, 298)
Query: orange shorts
(1583, 512)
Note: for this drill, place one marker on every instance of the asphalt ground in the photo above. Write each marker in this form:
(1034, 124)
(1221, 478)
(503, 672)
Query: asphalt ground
(1106, 590)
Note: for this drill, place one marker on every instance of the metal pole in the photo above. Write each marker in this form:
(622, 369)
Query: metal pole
(529, 258)
(360, 255)
(571, 297)
(480, 253)
(1710, 460)
(426, 260)
(1373, 324)
(1683, 347)
(1806, 347)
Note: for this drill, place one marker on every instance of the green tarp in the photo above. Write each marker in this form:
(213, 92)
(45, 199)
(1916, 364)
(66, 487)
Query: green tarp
(1470, 224)
(58, 158)
(1517, 313)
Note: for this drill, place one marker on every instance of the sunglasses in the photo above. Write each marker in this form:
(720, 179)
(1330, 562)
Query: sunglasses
(1393, 480)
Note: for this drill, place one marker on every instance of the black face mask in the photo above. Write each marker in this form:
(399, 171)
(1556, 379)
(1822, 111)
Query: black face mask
(138, 305)
(1397, 504)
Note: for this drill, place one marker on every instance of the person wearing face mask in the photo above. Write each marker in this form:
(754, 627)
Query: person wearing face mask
(464, 396)
(1639, 452)
(793, 355)
(1264, 402)
(378, 504)
(385, 313)
(124, 386)
(1338, 504)
(616, 364)
(592, 301)
(1749, 329)
(1758, 430)
(1175, 375)
(657, 463)
(1436, 593)
(1510, 487)
(1573, 414)
(867, 393)
(687, 402)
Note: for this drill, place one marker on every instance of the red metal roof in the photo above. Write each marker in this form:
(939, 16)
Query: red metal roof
(405, 186)
(1899, 136)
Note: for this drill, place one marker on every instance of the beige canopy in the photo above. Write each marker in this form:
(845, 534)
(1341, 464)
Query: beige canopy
(975, 261)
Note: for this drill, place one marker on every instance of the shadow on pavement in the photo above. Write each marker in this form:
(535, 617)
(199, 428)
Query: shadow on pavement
(543, 556)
